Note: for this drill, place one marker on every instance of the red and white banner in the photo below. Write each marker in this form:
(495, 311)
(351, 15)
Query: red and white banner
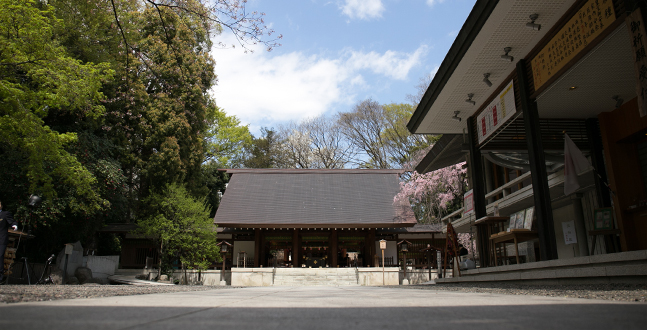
(499, 111)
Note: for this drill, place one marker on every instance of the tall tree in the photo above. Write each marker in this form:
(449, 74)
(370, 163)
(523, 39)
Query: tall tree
(364, 128)
(38, 76)
(227, 140)
(421, 88)
(315, 143)
(399, 143)
(380, 132)
(435, 194)
(264, 151)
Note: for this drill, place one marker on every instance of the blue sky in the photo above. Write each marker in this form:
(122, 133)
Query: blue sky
(334, 54)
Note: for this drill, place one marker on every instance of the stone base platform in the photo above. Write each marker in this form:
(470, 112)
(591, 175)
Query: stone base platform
(623, 267)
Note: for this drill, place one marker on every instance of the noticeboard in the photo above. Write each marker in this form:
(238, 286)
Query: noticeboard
(603, 218)
(588, 23)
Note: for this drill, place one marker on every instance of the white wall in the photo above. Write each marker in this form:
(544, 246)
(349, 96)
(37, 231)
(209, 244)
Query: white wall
(560, 215)
(247, 246)
(391, 250)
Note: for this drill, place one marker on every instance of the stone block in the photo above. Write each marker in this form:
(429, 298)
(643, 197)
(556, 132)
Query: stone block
(620, 257)
(577, 261)
(102, 266)
(510, 276)
(537, 274)
(580, 272)
(626, 270)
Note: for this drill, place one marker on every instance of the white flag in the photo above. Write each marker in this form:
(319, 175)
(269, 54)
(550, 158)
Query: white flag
(574, 164)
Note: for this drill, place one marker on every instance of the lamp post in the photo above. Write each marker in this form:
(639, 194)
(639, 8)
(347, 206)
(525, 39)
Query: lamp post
(429, 259)
(429, 250)
(404, 248)
(224, 248)
(383, 247)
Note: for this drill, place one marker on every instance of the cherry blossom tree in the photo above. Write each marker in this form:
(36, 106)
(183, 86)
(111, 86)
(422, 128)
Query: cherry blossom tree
(434, 194)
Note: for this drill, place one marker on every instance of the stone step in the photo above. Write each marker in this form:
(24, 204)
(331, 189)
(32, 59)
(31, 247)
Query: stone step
(315, 277)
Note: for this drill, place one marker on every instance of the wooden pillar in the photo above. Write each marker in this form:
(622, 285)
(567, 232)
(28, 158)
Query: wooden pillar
(497, 183)
(257, 247)
(333, 248)
(261, 250)
(597, 158)
(478, 190)
(434, 264)
(543, 207)
(371, 246)
(296, 248)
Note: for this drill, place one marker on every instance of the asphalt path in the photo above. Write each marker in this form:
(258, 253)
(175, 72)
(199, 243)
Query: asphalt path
(310, 308)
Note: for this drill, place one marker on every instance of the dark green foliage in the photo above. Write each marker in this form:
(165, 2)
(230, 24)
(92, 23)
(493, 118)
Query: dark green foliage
(108, 244)
(104, 103)
(263, 151)
(181, 225)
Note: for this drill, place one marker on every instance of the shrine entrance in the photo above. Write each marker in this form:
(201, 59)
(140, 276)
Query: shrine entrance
(278, 251)
(351, 250)
(316, 250)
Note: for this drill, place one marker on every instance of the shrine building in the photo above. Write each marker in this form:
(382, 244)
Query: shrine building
(317, 218)
(526, 85)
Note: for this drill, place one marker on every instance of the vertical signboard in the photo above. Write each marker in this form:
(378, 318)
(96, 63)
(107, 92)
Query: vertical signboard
(468, 202)
(636, 26)
(500, 110)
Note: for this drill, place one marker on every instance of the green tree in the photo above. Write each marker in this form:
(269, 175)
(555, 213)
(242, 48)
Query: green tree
(227, 140)
(38, 76)
(380, 132)
(400, 144)
(263, 152)
(182, 227)
(215, 182)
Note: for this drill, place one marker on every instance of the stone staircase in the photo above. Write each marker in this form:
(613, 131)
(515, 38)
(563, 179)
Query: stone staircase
(315, 277)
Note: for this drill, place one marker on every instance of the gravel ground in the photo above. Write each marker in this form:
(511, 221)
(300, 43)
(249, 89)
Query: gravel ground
(24, 293)
(619, 292)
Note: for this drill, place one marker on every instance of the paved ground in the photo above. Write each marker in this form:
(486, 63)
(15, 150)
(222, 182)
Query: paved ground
(324, 308)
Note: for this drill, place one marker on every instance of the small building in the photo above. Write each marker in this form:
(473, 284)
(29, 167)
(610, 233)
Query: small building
(318, 218)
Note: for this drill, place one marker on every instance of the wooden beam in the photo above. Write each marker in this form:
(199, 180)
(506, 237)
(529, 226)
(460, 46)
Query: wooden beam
(334, 245)
(257, 247)
(296, 247)
(597, 158)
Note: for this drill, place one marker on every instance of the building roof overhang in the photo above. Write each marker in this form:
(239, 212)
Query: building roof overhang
(603, 72)
(447, 151)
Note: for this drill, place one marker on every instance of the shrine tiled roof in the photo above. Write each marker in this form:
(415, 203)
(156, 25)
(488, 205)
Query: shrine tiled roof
(271, 198)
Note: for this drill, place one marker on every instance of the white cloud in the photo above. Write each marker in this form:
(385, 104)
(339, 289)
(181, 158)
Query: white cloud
(363, 9)
(392, 64)
(433, 2)
(263, 89)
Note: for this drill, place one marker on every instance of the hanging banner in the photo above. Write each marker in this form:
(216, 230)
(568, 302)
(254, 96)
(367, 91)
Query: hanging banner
(500, 110)
(636, 26)
(588, 23)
